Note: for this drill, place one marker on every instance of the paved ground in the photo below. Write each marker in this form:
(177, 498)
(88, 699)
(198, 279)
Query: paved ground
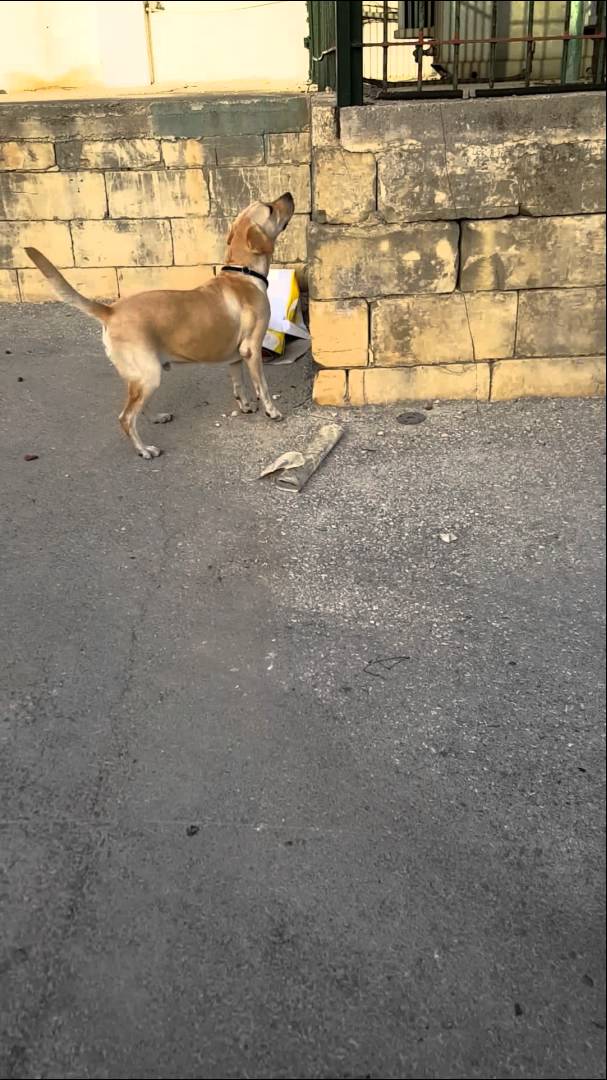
(294, 788)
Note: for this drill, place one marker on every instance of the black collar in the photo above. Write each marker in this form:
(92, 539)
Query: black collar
(247, 271)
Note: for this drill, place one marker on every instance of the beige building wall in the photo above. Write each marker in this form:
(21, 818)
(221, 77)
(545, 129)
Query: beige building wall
(68, 45)
(244, 45)
(82, 44)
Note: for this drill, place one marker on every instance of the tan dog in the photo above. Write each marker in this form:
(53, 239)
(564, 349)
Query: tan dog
(224, 320)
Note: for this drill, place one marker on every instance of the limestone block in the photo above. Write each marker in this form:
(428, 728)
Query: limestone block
(421, 182)
(209, 116)
(187, 153)
(231, 150)
(122, 243)
(472, 122)
(9, 289)
(118, 154)
(179, 116)
(37, 196)
(323, 123)
(96, 284)
(51, 237)
(349, 261)
(533, 253)
(239, 150)
(329, 388)
(551, 151)
(344, 186)
(507, 118)
(28, 156)
(232, 189)
(491, 179)
(290, 147)
(448, 382)
(412, 185)
(442, 329)
(64, 119)
(199, 241)
(562, 177)
(170, 193)
(582, 376)
(401, 123)
(492, 321)
(420, 330)
(292, 244)
(340, 332)
(561, 322)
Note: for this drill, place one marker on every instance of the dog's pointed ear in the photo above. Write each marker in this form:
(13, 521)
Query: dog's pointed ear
(258, 242)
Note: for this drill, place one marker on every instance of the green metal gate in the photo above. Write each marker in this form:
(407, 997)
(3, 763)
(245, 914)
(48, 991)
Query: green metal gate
(494, 48)
(321, 43)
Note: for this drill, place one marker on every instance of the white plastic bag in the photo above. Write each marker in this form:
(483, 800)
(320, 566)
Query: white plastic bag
(286, 319)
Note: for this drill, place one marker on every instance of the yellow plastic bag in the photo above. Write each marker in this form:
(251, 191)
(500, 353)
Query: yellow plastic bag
(286, 319)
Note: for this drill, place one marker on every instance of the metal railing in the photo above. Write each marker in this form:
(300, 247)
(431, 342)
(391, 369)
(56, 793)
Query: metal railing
(465, 48)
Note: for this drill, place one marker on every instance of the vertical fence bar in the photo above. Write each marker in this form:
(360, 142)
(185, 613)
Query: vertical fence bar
(598, 47)
(420, 48)
(356, 38)
(384, 77)
(348, 40)
(530, 43)
(456, 26)
(493, 45)
(565, 53)
(574, 58)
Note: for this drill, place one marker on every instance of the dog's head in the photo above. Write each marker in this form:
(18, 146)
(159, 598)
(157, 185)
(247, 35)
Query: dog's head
(254, 233)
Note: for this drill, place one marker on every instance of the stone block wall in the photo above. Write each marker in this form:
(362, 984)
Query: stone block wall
(136, 194)
(457, 249)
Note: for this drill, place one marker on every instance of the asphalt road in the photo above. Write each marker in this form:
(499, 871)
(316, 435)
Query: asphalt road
(293, 787)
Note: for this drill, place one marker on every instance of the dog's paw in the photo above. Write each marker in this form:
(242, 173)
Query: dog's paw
(274, 415)
(246, 406)
(162, 418)
(150, 452)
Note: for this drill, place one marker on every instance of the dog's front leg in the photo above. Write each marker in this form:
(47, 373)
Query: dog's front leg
(238, 386)
(252, 357)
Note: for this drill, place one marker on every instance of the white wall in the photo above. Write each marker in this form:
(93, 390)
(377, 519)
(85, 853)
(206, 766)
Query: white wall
(80, 44)
(72, 44)
(233, 43)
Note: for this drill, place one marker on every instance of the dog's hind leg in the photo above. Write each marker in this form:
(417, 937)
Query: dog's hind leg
(137, 393)
(140, 368)
(163, 417)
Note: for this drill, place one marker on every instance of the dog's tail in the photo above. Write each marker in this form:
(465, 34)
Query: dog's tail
(64, 290)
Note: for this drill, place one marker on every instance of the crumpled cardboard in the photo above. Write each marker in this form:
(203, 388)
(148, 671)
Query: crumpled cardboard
(295, 467)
